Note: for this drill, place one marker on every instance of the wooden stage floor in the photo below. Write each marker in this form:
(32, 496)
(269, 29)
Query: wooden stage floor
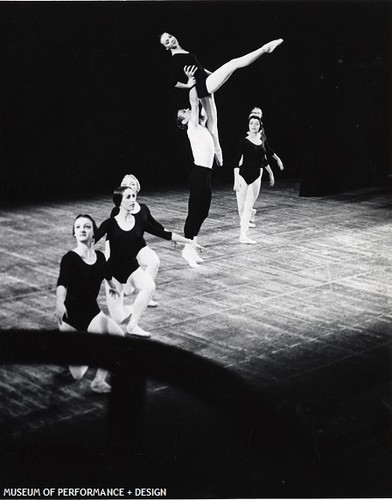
(304, 315)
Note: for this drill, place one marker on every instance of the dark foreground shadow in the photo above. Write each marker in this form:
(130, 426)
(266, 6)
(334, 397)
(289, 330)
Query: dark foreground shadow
(201, 432)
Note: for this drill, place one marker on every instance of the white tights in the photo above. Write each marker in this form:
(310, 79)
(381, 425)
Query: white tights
(145, 286)
(99, 324)
(246, 198)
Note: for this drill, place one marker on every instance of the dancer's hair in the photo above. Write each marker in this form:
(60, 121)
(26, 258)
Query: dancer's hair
(85, 216)
(180, 118)
(256, 111)
(128, 178)
(118, 195)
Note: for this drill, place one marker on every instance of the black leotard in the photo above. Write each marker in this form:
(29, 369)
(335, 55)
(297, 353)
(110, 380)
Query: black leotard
(147, 217)
(125, 245)
(83, 283)
(254, 157)
(177, 72)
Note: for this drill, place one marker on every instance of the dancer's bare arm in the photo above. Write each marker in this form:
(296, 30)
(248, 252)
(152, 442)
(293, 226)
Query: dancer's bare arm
(193, 97)
(271, 176)
(61, 293)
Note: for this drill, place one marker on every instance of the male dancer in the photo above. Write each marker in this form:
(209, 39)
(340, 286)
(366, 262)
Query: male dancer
(202, 145)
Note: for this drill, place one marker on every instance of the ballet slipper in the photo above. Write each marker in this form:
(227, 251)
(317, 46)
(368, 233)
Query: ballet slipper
(189, 256)
(245, 239)
(100, 386)
(251, 224)
(271, 46)
(136, 330)
(153, 303)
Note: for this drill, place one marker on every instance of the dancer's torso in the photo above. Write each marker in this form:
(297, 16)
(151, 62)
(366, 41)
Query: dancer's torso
(202, 145)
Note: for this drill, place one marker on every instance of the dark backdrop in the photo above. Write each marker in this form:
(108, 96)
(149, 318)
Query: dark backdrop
(84, 96)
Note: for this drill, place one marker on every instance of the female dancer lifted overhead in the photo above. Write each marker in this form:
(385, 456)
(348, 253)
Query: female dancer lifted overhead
(208, 82)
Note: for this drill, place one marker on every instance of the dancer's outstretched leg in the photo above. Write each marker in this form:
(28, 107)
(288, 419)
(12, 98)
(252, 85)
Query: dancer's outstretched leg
(209, 106)
(216, 79)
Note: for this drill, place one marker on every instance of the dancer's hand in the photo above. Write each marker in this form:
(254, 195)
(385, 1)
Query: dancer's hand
(272, 181)
(190, 73)
(61, 311)
(113, 292)
(280, 164)
(238, 184)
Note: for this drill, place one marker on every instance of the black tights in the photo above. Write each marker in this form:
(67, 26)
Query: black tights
(199, 200)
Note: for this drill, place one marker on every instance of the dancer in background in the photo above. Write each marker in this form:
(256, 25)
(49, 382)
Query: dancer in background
(256, 111)
(202, 145)
(248, 170)
(82, 271)
(124, 232)
(207, 83)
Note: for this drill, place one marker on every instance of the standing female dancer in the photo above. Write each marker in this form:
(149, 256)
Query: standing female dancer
(146, 257)
(123, 233)
(206, 82)
(256, 111)
(82, 271)
(249, 163)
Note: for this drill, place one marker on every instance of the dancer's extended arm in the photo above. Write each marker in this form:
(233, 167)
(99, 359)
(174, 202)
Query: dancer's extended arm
(193, 97)
(271, 175)
(273, 155)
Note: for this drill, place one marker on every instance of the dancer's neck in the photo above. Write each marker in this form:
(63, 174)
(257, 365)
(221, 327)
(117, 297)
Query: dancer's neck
(125, 214)
(254, 135)
(178, 50)
(85, 250)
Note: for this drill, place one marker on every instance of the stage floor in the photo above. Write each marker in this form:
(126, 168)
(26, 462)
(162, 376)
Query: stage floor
(304, 316)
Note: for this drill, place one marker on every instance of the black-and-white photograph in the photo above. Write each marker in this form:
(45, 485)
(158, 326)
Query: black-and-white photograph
(196, 234)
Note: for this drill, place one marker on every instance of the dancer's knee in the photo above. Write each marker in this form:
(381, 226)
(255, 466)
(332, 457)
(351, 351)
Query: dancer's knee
(155, 262)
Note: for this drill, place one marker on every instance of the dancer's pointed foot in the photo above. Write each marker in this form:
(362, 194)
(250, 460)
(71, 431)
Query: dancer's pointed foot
(271, 46)
(189, 256)
(245, 239)
(153, 303)
(100, 386)
(136, 330)
(252, 224)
